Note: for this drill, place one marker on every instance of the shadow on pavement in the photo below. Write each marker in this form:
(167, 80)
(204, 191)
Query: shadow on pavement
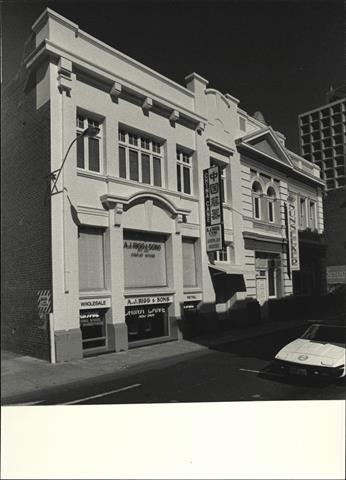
(263, 347)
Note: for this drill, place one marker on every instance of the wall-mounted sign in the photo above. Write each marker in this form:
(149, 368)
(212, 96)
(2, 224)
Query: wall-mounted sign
(44, 308)
(190, 305)
(192, 297)
(213, 208)
(91, 318)
(144, 260)
(261, 290)
(149, 300)
(146, 322)
(292, 233)
(336, 274)
(44, 302)
(88, 303)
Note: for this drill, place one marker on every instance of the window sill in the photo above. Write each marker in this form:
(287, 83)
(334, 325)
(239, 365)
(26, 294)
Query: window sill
(91, 174)
(94, 293)
(149, 291)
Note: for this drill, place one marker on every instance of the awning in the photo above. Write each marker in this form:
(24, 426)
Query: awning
(226, 284)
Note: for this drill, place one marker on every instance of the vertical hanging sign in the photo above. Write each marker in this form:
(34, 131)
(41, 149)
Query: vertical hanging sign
(213, 209)
(292, 233)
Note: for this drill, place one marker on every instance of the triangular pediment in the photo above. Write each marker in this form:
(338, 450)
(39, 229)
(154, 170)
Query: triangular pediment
(266, 142)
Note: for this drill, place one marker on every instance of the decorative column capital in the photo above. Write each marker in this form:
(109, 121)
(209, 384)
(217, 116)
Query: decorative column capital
(179, 219)
(118, 209)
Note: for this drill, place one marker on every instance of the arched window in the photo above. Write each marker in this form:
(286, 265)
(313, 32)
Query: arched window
(256, 204)
(271, 204)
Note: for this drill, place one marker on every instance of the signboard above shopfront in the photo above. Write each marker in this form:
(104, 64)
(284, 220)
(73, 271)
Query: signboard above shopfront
(213, 209)
(92, 303)
(148, 300)
(192, 297)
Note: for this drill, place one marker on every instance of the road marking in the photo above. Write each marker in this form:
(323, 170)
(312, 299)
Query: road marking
(103, 394)
(248, 370)
(28, 404)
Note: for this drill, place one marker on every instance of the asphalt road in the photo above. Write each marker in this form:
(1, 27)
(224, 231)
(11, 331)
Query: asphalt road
(237, 371)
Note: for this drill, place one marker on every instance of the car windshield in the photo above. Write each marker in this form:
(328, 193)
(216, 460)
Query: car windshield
(325, 334)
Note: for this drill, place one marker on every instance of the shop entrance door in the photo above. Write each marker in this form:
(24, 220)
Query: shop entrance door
(261, 286)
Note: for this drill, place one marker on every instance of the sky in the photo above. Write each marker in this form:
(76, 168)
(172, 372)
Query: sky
(276, 56)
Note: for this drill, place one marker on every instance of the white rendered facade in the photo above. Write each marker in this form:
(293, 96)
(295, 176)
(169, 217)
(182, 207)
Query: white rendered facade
(127, 226)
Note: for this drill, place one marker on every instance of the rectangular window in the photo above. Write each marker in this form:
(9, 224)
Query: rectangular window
(189, 262)
(271, 211)
(256, 207)
(138, 162)
(302, 212)
(80, 151)
(145, 168)
(134, 170)
(222, 255)
(94, 154)
(312, 215)
(91, 259)
(122, 162)
(184, 172)
(89, 149)
(157, 172)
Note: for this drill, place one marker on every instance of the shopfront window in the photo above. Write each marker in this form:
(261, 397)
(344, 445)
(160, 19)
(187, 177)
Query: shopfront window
(146, 322)
(189, 262)
(93, 328)
(91, 259)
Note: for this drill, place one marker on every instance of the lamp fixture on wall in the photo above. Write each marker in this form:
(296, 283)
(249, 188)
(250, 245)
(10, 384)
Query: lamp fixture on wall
(54, 176)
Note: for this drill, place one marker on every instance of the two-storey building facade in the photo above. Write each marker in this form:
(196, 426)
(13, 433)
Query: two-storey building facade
(104, 221)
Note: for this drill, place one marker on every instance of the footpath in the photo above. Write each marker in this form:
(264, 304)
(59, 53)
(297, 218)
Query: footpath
(24, 374)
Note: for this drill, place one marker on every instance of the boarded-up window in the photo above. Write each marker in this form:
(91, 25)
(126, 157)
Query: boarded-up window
(144, 260)
(189, 262)
(91, 259)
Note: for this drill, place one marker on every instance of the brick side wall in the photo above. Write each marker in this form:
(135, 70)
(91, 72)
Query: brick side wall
(335, 226)
(26, 237)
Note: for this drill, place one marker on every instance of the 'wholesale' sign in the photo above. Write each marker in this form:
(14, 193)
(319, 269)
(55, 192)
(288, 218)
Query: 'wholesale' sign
(213, 208)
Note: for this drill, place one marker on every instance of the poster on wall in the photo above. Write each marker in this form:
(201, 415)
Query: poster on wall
(213, 209)
(261, 290)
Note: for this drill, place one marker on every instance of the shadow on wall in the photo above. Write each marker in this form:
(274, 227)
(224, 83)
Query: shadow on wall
(331, 307)
(206, 321)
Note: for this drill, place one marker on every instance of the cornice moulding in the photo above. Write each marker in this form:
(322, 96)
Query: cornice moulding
(54, 51)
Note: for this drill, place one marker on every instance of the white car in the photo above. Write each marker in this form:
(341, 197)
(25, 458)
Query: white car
(319, 351)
